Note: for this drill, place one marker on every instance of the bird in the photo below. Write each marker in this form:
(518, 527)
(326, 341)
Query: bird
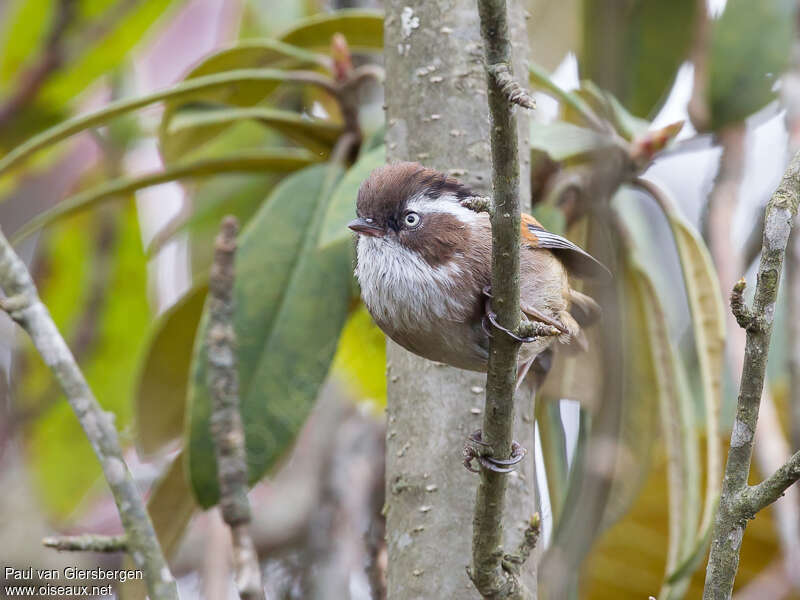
(423, 262)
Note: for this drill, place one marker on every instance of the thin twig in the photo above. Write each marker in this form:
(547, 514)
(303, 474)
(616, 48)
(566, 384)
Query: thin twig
(513, 562)
(731, 518)
(23, 306)
(226, 420)
(487, 572)
(88, 543)
(755, 497)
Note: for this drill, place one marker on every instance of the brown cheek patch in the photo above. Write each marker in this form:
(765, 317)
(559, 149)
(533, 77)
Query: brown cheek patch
(439, 237)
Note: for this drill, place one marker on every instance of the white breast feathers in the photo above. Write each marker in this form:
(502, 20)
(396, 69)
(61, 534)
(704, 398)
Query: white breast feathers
(401, 289)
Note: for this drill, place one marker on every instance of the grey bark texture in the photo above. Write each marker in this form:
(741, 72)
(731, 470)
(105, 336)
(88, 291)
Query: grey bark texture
(437, 114)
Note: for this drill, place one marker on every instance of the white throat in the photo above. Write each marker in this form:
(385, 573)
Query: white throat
(401, 289)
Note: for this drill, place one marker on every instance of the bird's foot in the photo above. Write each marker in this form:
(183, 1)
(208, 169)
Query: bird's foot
(476, 449)
(529, 331)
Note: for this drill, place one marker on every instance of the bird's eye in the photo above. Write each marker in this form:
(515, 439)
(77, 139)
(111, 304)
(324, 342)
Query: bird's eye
(412, 219)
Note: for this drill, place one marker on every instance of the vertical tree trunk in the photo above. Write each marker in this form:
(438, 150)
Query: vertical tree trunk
(437, 114)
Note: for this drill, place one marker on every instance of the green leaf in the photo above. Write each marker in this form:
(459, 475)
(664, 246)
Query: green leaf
(258, 54)
(106, 52)
(634, 49)
(278, 160)
(691, 563)
(96, 42)
(362, 28)
(551, 217)
(260, 79)
(240, 195)
(750, 47)
(189, 129)
(639, 410)
(24, 29)
(564, 141)
(163, 374)
(171, 505)
(342, 207)
(540, 80)
(375, 140)
(606, 104)
(245, 55)
(680, 434)
(360, 361)
(708, 320)
(291, 303)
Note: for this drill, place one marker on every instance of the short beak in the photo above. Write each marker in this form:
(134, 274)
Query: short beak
(366, 227)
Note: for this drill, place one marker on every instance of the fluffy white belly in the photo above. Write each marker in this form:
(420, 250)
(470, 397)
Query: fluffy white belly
(399, 287)
(419, 306)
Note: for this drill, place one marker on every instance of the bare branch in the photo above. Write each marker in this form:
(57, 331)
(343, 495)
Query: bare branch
(489, 574)
(226, 420)
(730, 522)
(88, 543)
(23, 306)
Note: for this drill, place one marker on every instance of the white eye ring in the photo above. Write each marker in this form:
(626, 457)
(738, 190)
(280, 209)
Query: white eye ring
(411, 219)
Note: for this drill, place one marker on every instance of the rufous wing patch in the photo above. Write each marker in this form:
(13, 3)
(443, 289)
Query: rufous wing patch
(578, 262)
(527, 227)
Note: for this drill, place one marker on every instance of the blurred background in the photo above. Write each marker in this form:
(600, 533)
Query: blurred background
(117, 225)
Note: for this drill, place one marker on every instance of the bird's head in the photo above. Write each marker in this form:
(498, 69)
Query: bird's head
(416, 208)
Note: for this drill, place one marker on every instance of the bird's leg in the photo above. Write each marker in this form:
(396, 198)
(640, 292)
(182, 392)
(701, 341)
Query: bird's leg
(476, 449)
(539, 318)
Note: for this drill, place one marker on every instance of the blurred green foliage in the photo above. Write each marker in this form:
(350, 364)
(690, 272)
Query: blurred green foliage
(98, 38)
(62, 459)
(253, 130)
(750, 48)
(360, 360)
(634, 49)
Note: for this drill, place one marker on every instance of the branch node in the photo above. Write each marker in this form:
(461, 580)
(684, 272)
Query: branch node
(744, 316)
(478, 204)
(530, 331)
(15, 304)
(509, 86)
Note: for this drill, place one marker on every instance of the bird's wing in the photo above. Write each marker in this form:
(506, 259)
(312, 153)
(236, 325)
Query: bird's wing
(577, 261)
